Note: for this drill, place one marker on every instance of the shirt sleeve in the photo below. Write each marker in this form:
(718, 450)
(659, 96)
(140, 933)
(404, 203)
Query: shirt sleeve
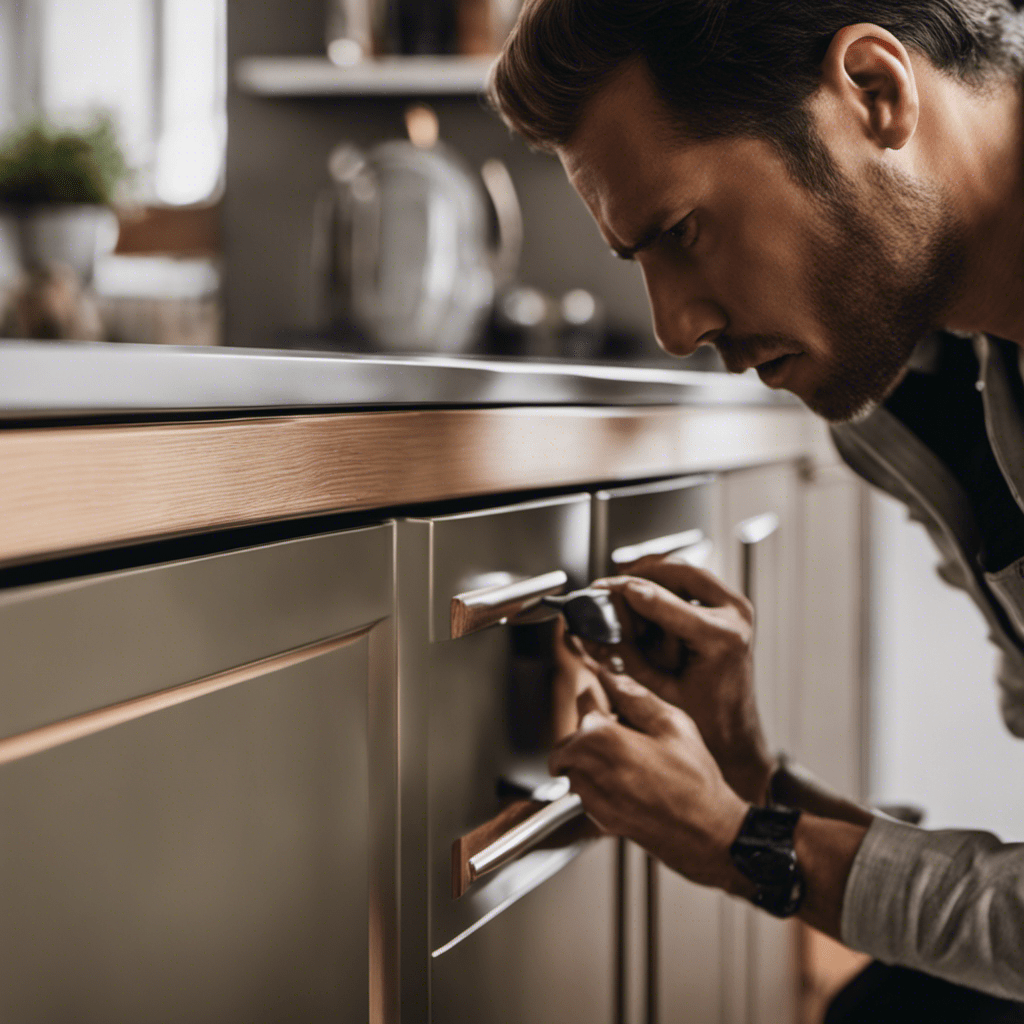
(950, 903)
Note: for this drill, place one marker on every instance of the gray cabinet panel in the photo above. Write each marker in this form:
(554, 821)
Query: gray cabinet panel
(535, 940)
(674, 960)
(548, 959)
(768, 571)
(76, 646)
(207, 863)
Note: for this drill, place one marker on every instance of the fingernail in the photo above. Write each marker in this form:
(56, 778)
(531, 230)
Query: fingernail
(616, 664)
(639, 589)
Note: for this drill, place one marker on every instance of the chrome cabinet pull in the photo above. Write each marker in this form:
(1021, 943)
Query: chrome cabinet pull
(758, 528)
(525, 836)
(657, 546)
(750, 533)
(477, 609)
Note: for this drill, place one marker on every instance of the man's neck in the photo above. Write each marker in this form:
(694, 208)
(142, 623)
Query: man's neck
(983, 168)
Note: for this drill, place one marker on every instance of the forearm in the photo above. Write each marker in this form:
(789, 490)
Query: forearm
(792, 786)
(825, 849)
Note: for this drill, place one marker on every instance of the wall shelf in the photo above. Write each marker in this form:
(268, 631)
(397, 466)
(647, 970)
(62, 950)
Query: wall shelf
(389, 76)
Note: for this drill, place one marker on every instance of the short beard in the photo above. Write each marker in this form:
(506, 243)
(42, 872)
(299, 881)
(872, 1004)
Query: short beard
(885, 271)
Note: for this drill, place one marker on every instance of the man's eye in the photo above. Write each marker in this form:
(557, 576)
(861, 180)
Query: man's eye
(684, 234)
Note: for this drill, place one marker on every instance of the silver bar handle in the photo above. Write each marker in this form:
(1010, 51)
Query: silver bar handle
(750, 533)
(488, 606)
(525, 836)
(757, 528)
(668, 544)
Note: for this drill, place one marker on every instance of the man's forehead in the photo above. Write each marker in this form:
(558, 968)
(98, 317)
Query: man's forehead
(624, 161)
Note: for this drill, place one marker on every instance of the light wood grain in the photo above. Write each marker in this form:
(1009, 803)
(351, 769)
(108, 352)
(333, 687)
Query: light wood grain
(470, 845)
(14, 748)
(76, 488)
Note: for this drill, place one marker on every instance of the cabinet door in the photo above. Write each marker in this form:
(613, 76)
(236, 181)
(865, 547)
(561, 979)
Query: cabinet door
(830, 713)
(195, 826)
(671, 961)
(760, 535)
(533, 941)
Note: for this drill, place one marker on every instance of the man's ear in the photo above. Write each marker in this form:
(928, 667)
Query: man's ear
(867, 73)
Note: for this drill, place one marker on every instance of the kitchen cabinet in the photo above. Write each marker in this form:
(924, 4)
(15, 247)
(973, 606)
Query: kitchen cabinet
(196, 776)
(691, 953)
(534, 940)
(671, 964)
(235, 787)
(761, 538)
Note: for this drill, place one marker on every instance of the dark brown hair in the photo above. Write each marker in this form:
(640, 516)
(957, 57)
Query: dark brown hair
(727, 67)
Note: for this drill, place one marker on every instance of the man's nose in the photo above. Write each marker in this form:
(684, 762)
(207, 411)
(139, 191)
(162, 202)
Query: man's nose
(683, 319)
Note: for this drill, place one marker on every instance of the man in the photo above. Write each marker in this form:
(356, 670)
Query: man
(814, 187)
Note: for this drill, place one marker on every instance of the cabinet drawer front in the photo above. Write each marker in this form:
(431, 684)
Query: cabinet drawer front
(76, 646)
(479, 710)
(502, 546)
(657, 518)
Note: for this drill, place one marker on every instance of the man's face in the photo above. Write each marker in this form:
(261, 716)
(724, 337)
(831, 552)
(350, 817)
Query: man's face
(826, 296)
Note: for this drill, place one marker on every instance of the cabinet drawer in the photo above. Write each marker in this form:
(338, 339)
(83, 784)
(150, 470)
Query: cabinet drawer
(478, 710)
(505, 546)
(75, 646)
(651, 519)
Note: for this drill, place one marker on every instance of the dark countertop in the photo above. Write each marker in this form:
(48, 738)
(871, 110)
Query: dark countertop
(81, 379)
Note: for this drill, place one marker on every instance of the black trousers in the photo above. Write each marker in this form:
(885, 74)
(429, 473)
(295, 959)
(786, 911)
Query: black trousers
(881, 994)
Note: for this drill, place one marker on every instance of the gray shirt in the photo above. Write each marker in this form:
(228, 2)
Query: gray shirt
(949, 902)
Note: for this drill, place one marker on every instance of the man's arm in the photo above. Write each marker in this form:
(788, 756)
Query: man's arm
(644, 772)
(949, 903)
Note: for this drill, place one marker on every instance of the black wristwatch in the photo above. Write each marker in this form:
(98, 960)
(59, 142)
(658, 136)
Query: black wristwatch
(763, 852)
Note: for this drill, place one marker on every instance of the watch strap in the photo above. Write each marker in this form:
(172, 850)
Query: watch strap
(763, 852)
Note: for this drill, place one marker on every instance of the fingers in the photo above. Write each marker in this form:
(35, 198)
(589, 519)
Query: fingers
(637, 705)
(587, 703)
(658, 605)
(624, 659)
(685, 579)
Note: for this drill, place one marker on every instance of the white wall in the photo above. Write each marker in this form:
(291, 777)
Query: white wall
(937, 738)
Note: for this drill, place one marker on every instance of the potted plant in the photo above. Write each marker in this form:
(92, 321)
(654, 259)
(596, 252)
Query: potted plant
(58, 185)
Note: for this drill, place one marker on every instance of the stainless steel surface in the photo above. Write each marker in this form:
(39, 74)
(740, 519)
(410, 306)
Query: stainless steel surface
(666, 545)
(489, 605)
(230, 857)
(761, 551)
(526, 836)
(75, 379)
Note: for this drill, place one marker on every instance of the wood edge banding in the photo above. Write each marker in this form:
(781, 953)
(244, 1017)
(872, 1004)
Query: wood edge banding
(133, 482)
(480, 838)
(46, 737)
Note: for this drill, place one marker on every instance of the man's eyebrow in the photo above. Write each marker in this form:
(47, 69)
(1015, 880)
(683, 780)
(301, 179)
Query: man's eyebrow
(647, 239)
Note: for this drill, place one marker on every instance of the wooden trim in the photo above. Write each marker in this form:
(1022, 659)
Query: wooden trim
(74, 488)
(480, 838)
(46, 737)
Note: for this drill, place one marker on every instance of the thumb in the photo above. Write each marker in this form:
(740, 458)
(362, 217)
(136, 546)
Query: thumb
(636, 705)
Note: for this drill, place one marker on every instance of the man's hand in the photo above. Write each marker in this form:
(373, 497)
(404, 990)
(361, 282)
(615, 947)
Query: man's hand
(649, 776)
(699, 659)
